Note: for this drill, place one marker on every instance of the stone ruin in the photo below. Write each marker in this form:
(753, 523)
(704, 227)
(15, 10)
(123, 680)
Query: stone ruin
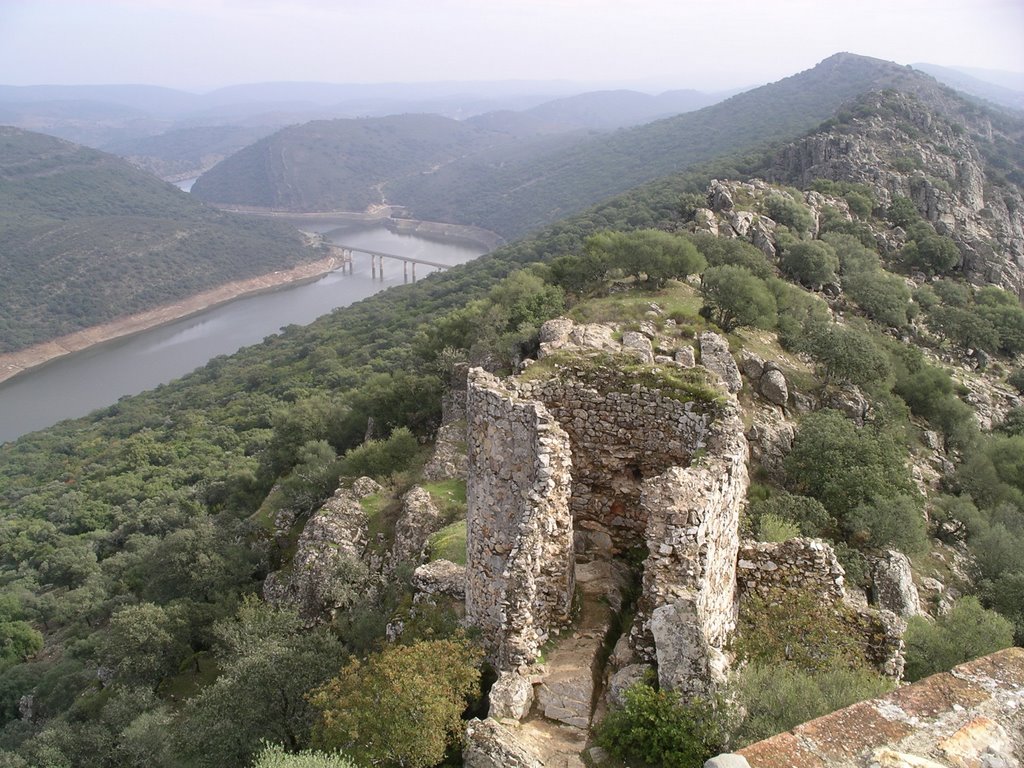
(603, 458)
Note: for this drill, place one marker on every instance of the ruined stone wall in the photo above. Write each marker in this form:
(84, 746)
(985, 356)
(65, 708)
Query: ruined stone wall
(620, 434)
(768, 569)
(687, 608)
(628, 446)
(520, 575)
(808, 564)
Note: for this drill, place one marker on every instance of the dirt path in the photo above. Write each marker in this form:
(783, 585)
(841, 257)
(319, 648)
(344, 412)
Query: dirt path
(14, 363)
(558, 727)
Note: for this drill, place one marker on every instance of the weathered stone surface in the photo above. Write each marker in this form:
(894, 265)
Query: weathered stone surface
(327, 561)
(440, 577)
(851, 402)
(520, 575)
(728, 760)
(773, 388)
(715, 356)
(751, 365)
(638, 344)
(624, 679)
(419, 518)
(685, 357)
(562, 333)
(365, 486)
(624, 444)
(892, 585)
(511, 696)
(969, 718)
(771, 439)
(490, 744)
(449, 460)
(719, 197)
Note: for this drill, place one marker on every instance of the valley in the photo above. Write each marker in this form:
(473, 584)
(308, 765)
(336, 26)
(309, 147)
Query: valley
(721, 452)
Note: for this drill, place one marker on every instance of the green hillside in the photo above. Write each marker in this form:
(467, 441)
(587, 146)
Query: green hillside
(336, 165)
(86, 238)
(514, 195)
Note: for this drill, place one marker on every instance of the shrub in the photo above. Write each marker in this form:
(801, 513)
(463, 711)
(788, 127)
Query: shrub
(843, 466)
(883, 296)
(967, 631)
(932, 254)
(788, 212)
(402, 706)
(274, 756)
(1016, 379)
(734, 297)
(380, 458)
(812, 264)
(779, 697)
(719, 251)
(846, 354)
(890, 521)
(902, 212)
(807, 514)
(655, 728)
(774, 528)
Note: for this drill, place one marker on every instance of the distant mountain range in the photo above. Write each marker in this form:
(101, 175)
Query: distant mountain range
(511, 187)
(982, 84)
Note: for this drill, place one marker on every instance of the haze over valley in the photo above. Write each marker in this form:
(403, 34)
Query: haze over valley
(523, 383)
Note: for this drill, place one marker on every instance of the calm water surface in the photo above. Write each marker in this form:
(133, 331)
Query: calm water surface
(95, 378)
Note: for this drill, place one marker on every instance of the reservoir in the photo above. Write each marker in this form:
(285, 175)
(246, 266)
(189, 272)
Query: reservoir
(97, 377)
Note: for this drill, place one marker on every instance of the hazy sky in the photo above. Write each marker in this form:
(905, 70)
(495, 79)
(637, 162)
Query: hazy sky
(203, 44)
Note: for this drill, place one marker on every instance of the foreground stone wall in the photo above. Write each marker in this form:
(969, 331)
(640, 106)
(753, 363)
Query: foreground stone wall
(519, 575)
(970, 717)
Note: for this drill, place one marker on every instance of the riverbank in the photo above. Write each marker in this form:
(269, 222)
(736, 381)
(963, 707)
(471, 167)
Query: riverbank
(15, 363)
(388, 216)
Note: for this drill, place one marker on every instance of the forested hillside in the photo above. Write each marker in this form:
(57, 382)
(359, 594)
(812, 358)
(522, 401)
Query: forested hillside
(86, 238)
(134, 543)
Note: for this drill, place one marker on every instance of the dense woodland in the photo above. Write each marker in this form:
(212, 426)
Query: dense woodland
(85, 238)
(134, 542)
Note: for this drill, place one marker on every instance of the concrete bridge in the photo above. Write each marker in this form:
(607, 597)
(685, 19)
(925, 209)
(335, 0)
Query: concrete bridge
(377, 262)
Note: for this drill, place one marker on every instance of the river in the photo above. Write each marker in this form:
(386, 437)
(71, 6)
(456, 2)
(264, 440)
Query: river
(97, 377)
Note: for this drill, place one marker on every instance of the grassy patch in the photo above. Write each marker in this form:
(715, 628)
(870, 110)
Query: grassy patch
(449, 543)
(449, 496)
(682, 384)
(197, 673)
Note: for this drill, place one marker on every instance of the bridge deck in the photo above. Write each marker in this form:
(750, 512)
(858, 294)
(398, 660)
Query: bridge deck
(380, 254)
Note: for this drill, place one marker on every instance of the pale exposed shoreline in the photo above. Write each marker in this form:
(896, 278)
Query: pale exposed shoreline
(16, 363)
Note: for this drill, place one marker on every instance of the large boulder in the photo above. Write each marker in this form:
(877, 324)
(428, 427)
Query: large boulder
(511, 696)
(638, 344)
(772, 386)
(440, 577)
(490, 744)
(625, 679)
(327, 566)
(892, 585)
(419, 518)
(715, 356)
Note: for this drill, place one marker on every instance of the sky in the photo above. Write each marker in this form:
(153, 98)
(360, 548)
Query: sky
(199, 45)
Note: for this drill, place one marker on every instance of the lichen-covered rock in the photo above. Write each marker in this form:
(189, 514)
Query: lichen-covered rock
(326, 569)
(685, 357)
(511, 696)
(715, 356)
(490, 744)
(771, 439)
(727, 760)
(638, 344)
(751, 365)
(772, 386)
(419, 518)
(892, 585)
(449, 460)
(365, 486)
(851, 401)
(719, 197)
(624, 679)
(440, 577)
